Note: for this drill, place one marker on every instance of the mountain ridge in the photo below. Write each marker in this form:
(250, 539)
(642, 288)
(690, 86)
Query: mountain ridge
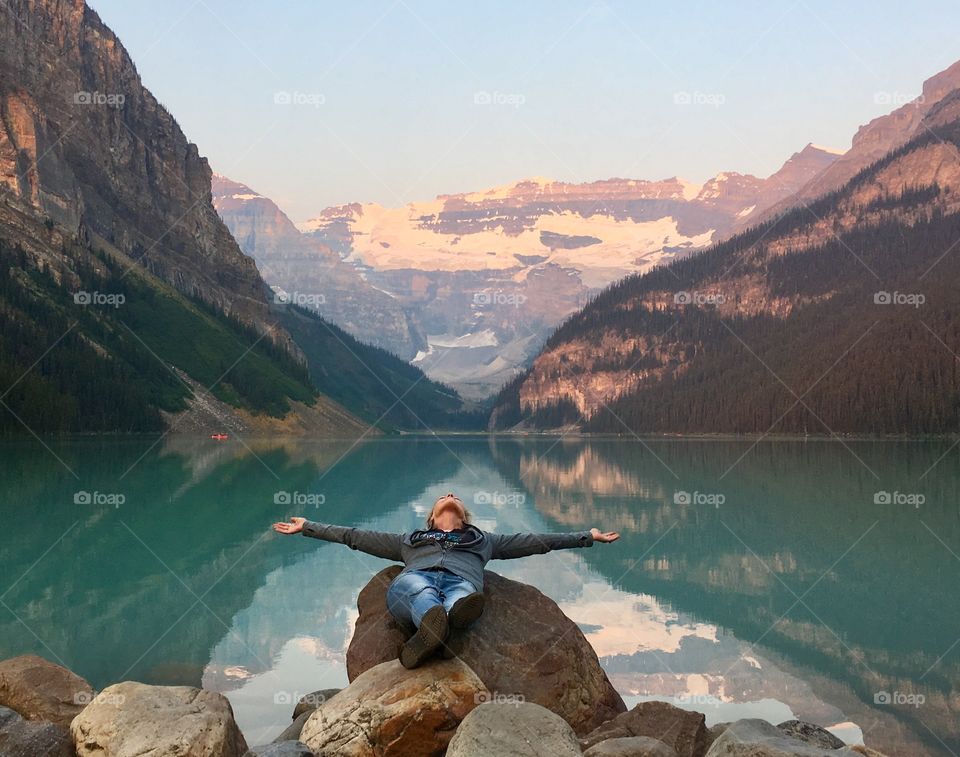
(652, 352)
(85, 143)
(875, 139)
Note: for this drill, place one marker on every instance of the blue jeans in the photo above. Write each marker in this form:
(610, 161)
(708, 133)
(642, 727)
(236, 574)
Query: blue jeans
(414, 592)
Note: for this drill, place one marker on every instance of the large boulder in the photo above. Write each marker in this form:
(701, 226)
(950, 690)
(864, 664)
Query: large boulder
(758, 738)
(522, 646)
(130, 719)
(389, 711)
(518, 729)
(32, 738)
(682, 730)
(41, 690)
(630, 746)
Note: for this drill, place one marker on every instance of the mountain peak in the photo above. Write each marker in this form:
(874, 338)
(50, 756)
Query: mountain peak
(224, 187)
(820, 148)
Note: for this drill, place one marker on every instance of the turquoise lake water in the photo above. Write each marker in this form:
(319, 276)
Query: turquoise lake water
(777, 579)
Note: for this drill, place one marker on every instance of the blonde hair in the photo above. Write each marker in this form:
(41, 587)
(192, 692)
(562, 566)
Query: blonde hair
(466, 512)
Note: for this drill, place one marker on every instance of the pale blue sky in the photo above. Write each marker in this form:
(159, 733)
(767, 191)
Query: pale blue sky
(385, 93)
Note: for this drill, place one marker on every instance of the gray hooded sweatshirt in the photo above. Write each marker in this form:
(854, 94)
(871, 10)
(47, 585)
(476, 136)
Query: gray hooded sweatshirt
(466, 558)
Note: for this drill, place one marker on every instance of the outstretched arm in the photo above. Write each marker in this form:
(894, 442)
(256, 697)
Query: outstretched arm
(376, 543)
(509, 546)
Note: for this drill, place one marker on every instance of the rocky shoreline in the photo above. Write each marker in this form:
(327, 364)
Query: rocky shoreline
(528, 683)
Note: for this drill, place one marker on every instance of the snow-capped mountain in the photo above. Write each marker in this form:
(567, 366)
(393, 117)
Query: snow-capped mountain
(481, 278)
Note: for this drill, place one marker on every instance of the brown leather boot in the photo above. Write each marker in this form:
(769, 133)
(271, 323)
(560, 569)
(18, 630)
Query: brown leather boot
(431, 634)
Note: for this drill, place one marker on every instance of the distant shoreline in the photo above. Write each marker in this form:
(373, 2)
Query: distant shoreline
(547, 434)
(700, 436)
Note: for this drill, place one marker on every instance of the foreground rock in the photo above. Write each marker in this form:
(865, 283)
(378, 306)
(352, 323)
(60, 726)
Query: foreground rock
(42, 690)
(32, 738)
(522, 645)
(758, 738)
(810, 734)
(132, 719)
(714, 732)
(500, 729)
(683, 731)
(631, 746)
(389, 711)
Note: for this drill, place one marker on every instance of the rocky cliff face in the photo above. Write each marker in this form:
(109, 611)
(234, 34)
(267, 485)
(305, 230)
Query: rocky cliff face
(101, 195)
(307, 272)
(83, 143)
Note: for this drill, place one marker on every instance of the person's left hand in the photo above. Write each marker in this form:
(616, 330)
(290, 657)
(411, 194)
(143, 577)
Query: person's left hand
(604, 536)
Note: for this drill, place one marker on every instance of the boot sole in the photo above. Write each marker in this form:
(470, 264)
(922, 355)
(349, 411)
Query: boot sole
(431, 634)
(466, 610)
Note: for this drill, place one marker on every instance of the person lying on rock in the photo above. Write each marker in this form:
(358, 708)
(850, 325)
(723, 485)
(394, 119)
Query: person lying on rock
(440, 590)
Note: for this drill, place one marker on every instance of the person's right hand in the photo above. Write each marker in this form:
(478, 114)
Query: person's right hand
(295, 526)
(604, 537)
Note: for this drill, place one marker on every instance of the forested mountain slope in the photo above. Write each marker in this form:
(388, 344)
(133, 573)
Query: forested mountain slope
(842, 315)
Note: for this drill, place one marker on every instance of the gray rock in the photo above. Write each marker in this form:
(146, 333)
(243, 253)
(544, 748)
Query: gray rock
(131, 719)
(758, 738)
(500, 729)
(631, 746)
(713, 733)
(32, 738)
(310, 702)
(280, 749)
(292, 731)
(809, 733)
(7, 715)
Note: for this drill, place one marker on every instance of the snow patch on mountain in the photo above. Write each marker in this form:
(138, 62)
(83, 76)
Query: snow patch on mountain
(395, 238)
(485, 338)
(690, 189)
